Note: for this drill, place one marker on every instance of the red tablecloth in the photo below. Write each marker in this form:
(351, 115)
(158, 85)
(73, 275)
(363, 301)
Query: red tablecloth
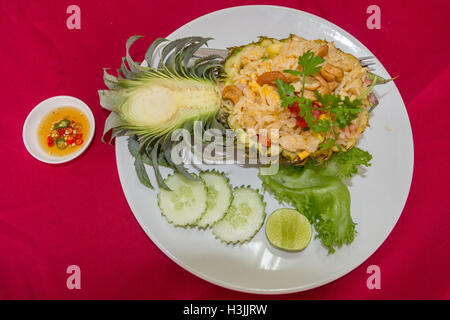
(76, 214)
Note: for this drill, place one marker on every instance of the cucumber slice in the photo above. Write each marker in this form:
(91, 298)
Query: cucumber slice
(218, 197)
(243, 219)
(185, 203)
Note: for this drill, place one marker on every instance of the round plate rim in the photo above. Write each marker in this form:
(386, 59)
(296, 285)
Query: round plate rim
(276, 291)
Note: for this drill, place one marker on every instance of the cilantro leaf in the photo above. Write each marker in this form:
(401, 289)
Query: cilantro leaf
(344, 110)
(327, 144)
(293, 72)
(341, 111)
(284, 88)
(327, 100)
(305, 106)
(310, 63)
(322, 125)
(286, 92)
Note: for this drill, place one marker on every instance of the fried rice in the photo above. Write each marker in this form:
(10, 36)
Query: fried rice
(259, 106)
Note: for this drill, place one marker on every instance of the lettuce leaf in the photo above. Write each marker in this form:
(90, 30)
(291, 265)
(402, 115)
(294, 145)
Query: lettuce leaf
(345, 164)
(317, 191)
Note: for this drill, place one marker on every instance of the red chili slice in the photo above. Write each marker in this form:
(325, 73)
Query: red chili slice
(50, 141)
(78, 141)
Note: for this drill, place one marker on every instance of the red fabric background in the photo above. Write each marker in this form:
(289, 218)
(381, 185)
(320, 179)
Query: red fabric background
(55, 216)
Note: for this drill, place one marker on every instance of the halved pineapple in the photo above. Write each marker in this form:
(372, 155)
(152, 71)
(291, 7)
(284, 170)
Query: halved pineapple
(250, 69)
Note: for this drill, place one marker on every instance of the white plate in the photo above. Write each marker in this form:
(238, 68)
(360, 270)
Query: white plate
(378, 197)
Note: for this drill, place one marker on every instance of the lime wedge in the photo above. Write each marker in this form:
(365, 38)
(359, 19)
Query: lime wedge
(289, 230)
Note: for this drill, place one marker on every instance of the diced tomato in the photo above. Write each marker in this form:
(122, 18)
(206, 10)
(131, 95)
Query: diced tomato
(70, 140)
(301, 122)
(78, 141)
(50, 141)
(61, 131)
(294, 108)
(264, 140)
(316, 113)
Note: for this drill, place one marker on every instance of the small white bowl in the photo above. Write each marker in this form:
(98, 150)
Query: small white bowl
(31, 125)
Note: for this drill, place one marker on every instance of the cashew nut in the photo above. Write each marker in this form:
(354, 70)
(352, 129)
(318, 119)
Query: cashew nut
(322, 81)
(311, 83)
(324, 90)
(309, 94)
(270, 78)
(333, 85)
(331, 72)
(232, 93)
(322, 51)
